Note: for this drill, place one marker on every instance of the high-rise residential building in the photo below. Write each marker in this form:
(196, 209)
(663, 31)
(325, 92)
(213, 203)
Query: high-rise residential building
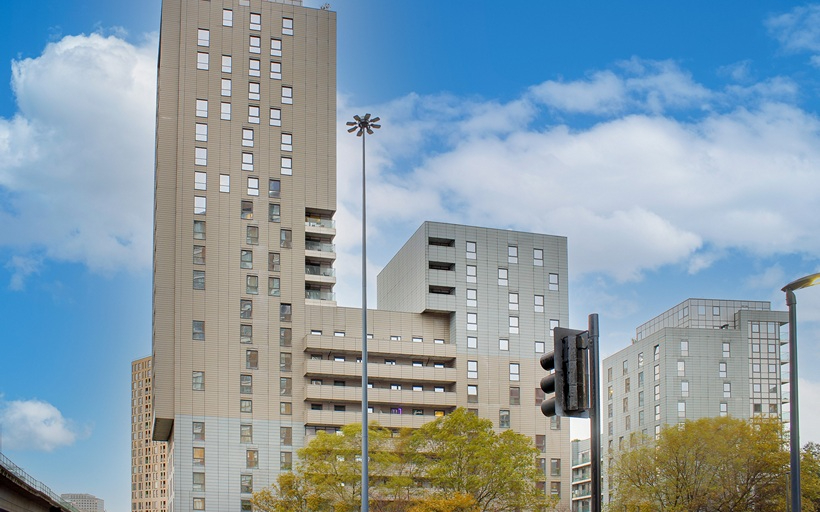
(702, 358)
(251, 355)
(85, 502)
(148, 457)
(581, 480)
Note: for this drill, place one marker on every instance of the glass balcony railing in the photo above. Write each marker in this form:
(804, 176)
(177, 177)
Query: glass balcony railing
(319, 295)
(313, 245)
(318, 222)
(316, 270)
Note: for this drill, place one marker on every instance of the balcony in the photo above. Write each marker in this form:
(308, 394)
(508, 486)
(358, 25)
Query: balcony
(376, 396)
(333, 418)
(398, 373)
(440, 352)
(320, 225)
(320, 274)
(315, 249)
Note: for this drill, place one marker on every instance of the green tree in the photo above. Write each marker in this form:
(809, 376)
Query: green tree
(707, 465)
(810, 477)
(462, 454)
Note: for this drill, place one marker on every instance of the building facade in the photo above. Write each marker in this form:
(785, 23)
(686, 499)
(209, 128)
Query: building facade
(251, 355)
(581, 480)
(702, 358)
(148, 457)
(85, 502)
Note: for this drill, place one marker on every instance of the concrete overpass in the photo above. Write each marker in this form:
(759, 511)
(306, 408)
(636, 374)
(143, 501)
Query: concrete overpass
(19, 492)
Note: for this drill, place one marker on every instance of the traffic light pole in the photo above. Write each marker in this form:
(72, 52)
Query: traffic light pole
(594, 414)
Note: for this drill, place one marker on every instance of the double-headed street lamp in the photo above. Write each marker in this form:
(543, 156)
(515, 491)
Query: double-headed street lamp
(794, 415)
(365, 126)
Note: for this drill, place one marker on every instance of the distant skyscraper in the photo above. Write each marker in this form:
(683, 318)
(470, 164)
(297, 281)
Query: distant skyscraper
(148, 457)
(702, 358)
(251, 355)
(85, 502)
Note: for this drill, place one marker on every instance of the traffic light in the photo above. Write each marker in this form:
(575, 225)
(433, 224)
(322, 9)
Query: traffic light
(569, 382)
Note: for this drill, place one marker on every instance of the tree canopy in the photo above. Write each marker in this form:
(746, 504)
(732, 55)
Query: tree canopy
(708, 465)
(456, 463)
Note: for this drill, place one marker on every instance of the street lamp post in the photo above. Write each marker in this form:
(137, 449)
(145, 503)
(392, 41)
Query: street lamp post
(794, 414)
(365, 126)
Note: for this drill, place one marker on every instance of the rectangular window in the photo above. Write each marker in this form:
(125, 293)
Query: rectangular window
(273, 287)
(251, 459)
(199, 504)
(724, 409)
(225, 111)
(251, 360)
(246, 210)
(540, 347)
(253, 114)
(287, 142)
(252, 235)
(275, 117)
(472, 273)
(472, 369)
(286, 461)
(287, 166)
(227, 63)
(285, 336)
(627, 386)
(198, 430)
(657, 392)
(254, 91)
(201, 108)
(199, 482)
(726, 349)
(681, 409)
(246, 384)
(657, 372)
(553, 282)
(199, 227)
(245, 333)
(472, 321)
(287, 95)
(255, 21)
(502, 276)
(472, 394)
(515, 372)
(252, 285)
(285, 362)
(201, 132)
(246, 483)
(657, 352)
(202, 60)
(274, 188)
(285, 238)
(245, 433)
(199, 255)
(512, 301)
(625, 366)
(199, 279)
(515, 396)
(625, 404)
(553, 325)
(200, 156)
(254, 44)
(504, 418)
(472, 297)
(472, 342)
(503, 344)
(198, 379)
(538, 301)
(538, 257)
(227, 18)
(203, 37)
(722, 370)
(247, 137)
(684, 388)
(684, 347)
(285, 386)
(253, 186)
(254, 67)
(285, 408)
(555, 467)
(727, 390)
(541, 443)
(285, 312)
(286, 436)
(275, 70)
(276, 47)
(287, 26)
(715, 310)
(273, 261)
(245, 309)
(640, 399)
(513, 325)
(224, 183)
(198, 330)
(512, 254)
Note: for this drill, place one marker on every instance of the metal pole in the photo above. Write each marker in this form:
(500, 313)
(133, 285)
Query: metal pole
(794, 413)
(365, 448)
(594, 415)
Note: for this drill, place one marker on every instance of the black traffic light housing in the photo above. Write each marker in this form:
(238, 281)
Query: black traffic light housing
(570, 381)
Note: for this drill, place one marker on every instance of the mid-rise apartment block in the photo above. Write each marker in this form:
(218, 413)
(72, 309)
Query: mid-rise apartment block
(148, 457)
(702, 358)
(251, 355)
(581, 480)
(85, 502)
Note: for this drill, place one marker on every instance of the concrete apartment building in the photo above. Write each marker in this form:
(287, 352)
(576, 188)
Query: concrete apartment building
(148, 457)
(251, 355)
(581, 480)
(702, 358)
(85, 502)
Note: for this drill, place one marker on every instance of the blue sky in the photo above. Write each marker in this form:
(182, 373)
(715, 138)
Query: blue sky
(676, 145)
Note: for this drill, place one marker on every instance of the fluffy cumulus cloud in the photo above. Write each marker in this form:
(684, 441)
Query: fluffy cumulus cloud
(76, 161)
(636, 189)
(798, 30)
(35, 425)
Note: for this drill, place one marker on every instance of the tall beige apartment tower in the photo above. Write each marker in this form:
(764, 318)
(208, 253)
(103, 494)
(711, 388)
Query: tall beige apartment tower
(251, 355)
(148, 457)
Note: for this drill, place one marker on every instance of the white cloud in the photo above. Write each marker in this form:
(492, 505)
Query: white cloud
(797, 30)
(35, 425)
(76, 161)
